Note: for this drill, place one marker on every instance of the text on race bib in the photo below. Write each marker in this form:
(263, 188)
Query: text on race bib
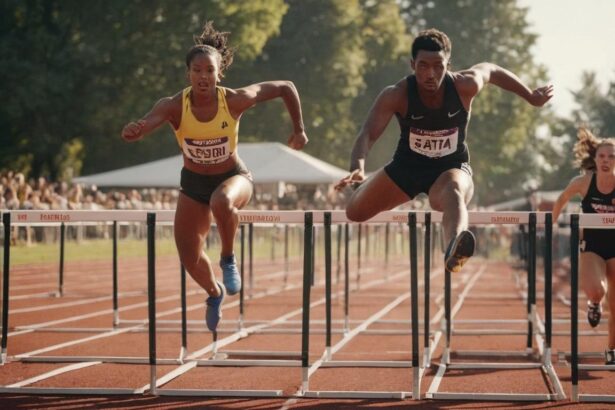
(433, 143)
(209, 151)
(603, 208)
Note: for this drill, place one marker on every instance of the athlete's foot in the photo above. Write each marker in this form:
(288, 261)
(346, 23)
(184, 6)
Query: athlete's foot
(609, 356)
(459, 251)
(213, 309)
(594, 313)
(230, 274)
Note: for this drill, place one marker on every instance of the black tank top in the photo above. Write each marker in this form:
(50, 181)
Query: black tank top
(595, 202)
(433, 136)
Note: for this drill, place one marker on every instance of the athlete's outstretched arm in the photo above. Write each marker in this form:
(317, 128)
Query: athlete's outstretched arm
(158, 115)
(377, 119)
(484, 73)
(247, 97)
(575, 187)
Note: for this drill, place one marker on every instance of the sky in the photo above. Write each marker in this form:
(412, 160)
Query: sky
(574, 36)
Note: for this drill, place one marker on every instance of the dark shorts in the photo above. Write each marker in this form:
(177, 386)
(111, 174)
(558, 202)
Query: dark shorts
(413, 179)
(200, 187)
(600, 242)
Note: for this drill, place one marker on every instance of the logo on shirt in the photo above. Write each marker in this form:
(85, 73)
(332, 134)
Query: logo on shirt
(418, 117)
(453, 114)
(224, 124)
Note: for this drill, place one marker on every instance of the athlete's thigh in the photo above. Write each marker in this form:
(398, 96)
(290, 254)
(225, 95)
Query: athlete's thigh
(592, 267)
(192, 222)
(238, 189)
(447, 184)
(610, 271)
(378, 193)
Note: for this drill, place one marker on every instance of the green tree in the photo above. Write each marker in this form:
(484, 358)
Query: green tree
(40, 104)
(327, 48)
(596, 110)
(77, 70)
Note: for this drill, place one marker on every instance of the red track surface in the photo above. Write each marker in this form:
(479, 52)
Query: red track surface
(495, 295)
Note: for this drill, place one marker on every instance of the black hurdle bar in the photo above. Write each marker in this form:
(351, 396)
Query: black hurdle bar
(182, 280)
(307, 274)
(414, 288)
(328, 276)
(242, 270)
(548, 261)
(151, 295)
(447, 304)
(386, 249)
(359, 255)
(339, 254)
(574, 301)
(61, 268)
(531, 276)
(251, 257)
(427, 269)
(346, 273)
(114, 274)
(6, 220)
(286, 261)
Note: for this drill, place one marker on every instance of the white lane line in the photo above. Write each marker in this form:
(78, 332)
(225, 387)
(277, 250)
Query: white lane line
(53, 373)
(348, 337)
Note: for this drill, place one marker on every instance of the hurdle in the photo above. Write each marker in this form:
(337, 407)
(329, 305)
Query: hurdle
(326, 360)
(284, 217)
(578, 221)
(544, 348)
(191, 361)
(82, 362)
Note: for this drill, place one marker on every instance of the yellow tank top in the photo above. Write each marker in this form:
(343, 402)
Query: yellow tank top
(208, 142)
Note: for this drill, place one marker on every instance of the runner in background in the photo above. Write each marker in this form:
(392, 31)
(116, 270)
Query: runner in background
(596, 158)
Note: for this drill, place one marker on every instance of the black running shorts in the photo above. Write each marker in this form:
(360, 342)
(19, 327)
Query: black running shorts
(200, 187)
(600, 242)
(413, 179)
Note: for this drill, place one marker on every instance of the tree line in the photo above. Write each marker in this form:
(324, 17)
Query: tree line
(74, 73)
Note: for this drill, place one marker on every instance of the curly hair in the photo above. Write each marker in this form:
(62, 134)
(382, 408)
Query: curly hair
(214, 43)
(431, 40)
(586, 147)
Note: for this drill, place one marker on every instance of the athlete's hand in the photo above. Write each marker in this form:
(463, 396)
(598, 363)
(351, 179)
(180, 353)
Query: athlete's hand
(133, 131)
(353, 179)
(540, 96)
(297, 140)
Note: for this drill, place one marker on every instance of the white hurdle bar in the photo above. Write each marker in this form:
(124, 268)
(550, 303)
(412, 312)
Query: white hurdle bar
(578, 221)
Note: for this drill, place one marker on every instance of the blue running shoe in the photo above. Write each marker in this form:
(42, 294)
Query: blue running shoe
(230, 274)
(459, 251)
(213, 309)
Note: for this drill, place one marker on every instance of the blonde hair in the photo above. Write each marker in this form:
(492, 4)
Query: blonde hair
(586, 147)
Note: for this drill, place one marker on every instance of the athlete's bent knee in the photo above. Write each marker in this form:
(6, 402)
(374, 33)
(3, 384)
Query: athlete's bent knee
(355, 215)
(221, 205)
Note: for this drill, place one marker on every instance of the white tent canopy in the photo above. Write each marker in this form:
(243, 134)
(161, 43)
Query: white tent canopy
(269, 162)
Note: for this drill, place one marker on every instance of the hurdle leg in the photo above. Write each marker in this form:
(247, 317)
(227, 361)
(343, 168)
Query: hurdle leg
(6, 220)
(151, 296)
(307, 273)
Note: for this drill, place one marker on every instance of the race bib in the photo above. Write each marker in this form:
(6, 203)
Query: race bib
(211, 151)
(434, 143)
(603, 208)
